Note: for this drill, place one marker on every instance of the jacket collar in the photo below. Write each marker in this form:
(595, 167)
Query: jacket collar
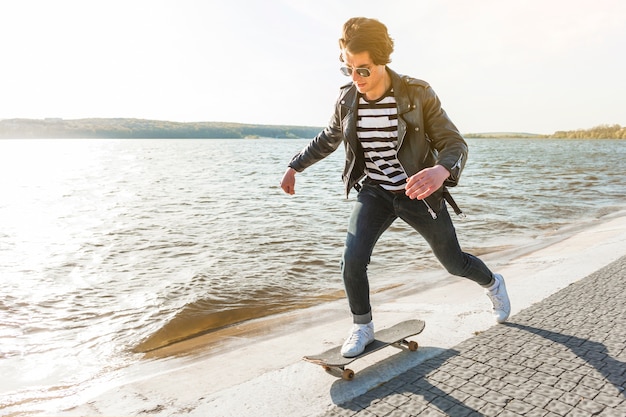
(401, 93)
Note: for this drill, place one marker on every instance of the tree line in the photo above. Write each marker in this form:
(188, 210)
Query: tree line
(155, 129)
(145, 129)
(598, 132)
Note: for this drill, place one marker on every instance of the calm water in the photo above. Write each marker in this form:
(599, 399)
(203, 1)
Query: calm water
(113, 247)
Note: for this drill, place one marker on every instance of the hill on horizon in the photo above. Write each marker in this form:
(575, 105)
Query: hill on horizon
(129, 128)
(125, 128)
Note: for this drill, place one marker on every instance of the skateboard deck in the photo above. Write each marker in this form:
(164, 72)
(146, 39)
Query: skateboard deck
(396, 335)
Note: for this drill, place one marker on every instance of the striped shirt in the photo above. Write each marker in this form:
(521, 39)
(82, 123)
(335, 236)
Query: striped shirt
(377, 130)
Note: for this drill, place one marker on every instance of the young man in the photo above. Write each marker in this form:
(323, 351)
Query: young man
(401, 143)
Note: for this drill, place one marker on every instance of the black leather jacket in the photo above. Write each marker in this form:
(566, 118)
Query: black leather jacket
(426, 136)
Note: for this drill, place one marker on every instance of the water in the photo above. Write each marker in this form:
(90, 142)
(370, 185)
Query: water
(110, 248)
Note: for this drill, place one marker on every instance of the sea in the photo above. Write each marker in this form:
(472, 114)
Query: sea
(111, 249)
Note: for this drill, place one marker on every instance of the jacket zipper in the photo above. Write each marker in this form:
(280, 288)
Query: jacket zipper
(430, 210)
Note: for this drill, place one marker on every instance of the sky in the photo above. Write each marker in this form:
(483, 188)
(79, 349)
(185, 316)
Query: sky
(534, 66)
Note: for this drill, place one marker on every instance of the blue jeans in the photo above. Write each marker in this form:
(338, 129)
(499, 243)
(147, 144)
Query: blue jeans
(374, 211)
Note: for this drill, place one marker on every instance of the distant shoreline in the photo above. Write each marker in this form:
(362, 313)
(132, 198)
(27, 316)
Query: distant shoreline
(126, 128)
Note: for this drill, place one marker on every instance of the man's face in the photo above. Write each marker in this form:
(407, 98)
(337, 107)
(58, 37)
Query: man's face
(372, 87)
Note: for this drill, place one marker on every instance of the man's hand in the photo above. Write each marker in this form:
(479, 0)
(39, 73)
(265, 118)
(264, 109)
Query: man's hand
(426, 182)
(288, 183)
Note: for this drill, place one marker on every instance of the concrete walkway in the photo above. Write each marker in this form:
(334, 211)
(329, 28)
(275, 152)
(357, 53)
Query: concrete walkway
(562, 357)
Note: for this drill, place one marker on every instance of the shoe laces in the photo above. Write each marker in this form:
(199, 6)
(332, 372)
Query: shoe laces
(494, 295)
(358, 333)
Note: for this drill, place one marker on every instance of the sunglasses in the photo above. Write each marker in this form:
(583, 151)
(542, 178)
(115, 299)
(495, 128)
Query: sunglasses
(363, 72)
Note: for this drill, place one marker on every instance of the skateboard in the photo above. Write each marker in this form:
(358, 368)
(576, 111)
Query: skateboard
(334, 363)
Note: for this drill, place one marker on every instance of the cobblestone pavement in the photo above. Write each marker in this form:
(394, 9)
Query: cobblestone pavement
(564, 356)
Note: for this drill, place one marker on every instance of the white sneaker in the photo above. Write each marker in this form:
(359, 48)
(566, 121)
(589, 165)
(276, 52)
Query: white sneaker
(360, 336)
(500, 299)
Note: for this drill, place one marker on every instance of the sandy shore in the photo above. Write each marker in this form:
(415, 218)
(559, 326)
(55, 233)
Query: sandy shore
(256, 369)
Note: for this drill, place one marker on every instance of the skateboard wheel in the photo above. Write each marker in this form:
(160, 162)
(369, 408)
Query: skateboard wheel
(347, 375)
(413, 346)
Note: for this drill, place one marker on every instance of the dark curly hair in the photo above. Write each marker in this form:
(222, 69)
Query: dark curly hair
(361, 34)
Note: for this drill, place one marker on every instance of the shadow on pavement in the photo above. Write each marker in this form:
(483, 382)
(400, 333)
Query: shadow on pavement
(593, 353)
(413, 381)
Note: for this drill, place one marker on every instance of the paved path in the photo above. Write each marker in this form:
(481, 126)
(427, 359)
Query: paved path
(562, 357)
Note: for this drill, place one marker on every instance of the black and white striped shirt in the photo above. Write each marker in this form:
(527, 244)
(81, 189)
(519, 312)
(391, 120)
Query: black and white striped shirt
(377, 130)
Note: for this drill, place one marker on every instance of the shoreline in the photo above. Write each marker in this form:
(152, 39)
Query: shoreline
(257, 326)
(263, 356)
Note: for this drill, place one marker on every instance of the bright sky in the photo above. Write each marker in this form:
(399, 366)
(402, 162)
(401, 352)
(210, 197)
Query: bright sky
(524, 66)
